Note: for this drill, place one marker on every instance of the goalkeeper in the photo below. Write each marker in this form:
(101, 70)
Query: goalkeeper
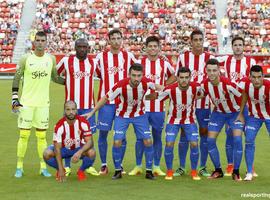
(36, 69)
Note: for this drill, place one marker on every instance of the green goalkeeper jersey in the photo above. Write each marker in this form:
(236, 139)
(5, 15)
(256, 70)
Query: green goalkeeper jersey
(36, 79)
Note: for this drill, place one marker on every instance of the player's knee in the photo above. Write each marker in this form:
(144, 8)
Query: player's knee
(169, 144)
(41, 135)
(24, 135)
(147, 142)
(117, 143)
(48, 154)
(91, 153)
(203, 131)
(193, 144)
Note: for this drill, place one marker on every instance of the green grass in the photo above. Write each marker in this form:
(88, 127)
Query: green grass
(33, 186)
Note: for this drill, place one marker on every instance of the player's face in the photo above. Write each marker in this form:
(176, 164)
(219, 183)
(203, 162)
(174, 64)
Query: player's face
(135, 77)
(184, 79)
(152, 48)
(212, 72)
(70, 111)
(40, 43)
(256, 79)
(197, 42)
(115, 41)
(238, 47)
(81, 49)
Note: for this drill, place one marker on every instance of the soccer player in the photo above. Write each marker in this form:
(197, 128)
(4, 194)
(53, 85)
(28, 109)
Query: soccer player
(256, 92)
(72, 139)
(113, 66)
(223, 93)
(79, 71)
(236, 67)
(160, 72)
(182, 97)
(195, 60)
(37, 70)
(130, 109)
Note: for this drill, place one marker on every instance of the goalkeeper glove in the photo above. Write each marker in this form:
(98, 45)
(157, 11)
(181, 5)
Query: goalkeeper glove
(15, 102)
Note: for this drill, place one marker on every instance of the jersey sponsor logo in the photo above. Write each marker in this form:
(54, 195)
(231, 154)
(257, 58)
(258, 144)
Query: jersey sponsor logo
(213, 124)
(217, 101)
(69, 142)
(236, 75)
(133, 102)
(39, 74)
(183, 107)
(153, 77)
(115, 70)
(81, 74)
(196, 73)
(257, 101)
(250, 127)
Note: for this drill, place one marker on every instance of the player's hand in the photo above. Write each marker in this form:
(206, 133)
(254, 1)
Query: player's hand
(16, 105)
(61, 175)
(88, 115)
(151, 96)
(76, 157)
(240, 118)
(163, 57)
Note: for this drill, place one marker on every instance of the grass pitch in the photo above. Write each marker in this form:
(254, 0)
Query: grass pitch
(33, 186)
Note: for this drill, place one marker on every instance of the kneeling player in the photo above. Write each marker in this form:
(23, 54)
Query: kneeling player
(181, 115)
(72, 139)
(256, 91)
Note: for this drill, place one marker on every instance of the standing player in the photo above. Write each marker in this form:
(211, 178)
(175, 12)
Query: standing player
(195, 60)
(256, 92)
(223, 93)
(130, 109)
(79, 87)
(160, 72)
(72, 139)
(182, 97)
(37, 69)
(236, 67)
(113, 65)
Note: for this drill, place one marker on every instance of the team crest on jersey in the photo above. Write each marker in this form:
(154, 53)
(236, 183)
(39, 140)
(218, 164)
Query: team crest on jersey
(153, 77)
(81, 74)
(115, 70)
(196, 73)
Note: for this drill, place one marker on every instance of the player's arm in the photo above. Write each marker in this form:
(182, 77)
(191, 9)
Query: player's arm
(99, 104)
(58, 157)
(16, 83)
(88, 145)
(171, 79)
(55, 77)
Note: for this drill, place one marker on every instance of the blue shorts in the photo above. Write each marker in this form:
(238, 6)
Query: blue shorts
(218, 119)
(191, 132)
(203, 116)
(253, 125)
(65, 153)
(140, 125)
(156, 119)
(91, 120)
(245, 113)
(106, 116)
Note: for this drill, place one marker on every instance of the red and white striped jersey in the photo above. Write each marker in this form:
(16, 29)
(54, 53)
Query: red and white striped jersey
(71, 135)
(196, 64)
(182, 103)
(79, 86)
(131, 99)
(234, 69)
(158, 71)
(258, 98)
(224, 95)
(111, 69)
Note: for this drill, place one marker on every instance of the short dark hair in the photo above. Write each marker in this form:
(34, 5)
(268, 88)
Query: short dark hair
(152, 39)
(212, 61)
(81, 40)
(195, 32)
(136, 67)
(183, 70)
(256, 68)
(238, 38)
(41, 34)
(115, 31)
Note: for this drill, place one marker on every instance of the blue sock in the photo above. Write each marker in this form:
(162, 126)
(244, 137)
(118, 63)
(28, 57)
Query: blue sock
(139, 149)
(203, 150)
(123, 147)
(194, 157)
(249, 155)
(168, 154)
(103, 146)
(149, 154)
(86, 162)
(117, 153)
(229, 145)
(237, 151)
(157, 144)
(67, 162)
(52, 162)
(182, 150)
(213, 152)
